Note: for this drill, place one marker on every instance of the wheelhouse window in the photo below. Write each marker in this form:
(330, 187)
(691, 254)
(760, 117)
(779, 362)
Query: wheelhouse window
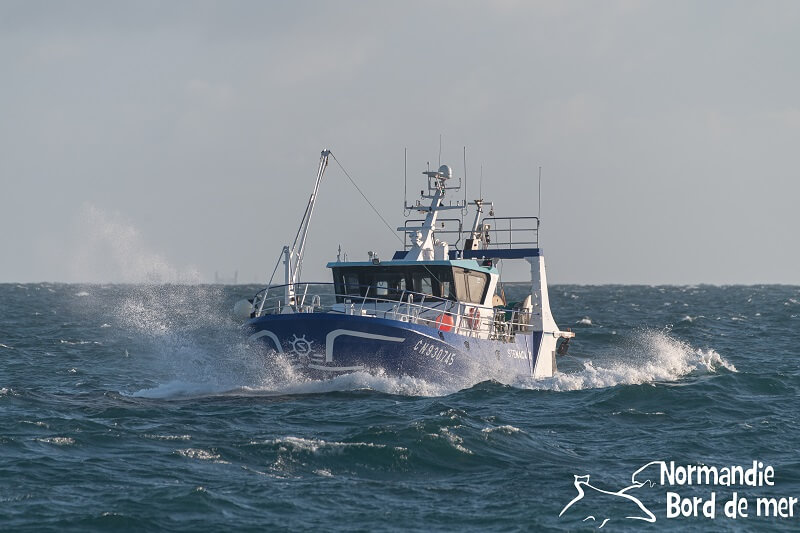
(394, 282)
(423, 283)
(476, 283)
(351, 285)
(470, 285)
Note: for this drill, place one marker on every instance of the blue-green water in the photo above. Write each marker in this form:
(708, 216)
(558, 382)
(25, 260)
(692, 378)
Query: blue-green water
(141, 408)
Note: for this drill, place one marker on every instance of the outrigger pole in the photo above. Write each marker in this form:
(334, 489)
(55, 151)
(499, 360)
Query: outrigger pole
(293, 258)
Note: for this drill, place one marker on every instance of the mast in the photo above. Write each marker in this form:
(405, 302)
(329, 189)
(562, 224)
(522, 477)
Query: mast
(422, 236)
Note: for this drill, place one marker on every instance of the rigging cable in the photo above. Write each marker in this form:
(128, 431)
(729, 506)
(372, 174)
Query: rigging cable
(379, 215)
(367, 200)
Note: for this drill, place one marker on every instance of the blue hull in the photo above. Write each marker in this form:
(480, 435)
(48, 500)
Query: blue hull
(323, 345)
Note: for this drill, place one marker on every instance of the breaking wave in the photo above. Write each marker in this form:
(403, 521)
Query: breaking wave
(652, 356)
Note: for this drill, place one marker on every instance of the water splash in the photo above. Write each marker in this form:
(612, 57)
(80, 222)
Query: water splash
(651, 356)
(111, 248)
(272, 384)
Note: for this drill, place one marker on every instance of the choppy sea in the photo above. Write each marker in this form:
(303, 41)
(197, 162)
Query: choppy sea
(141, 408)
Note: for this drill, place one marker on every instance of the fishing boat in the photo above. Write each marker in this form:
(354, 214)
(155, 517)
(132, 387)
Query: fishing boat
(435, 310)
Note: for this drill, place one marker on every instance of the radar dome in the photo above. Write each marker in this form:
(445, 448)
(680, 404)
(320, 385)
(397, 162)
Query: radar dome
(446, 171)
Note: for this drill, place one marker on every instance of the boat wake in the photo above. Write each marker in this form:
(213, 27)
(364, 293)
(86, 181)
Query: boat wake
(650, 357)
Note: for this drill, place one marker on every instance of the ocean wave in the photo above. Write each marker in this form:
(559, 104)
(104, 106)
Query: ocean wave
(167, 437)
(504, 429)
(293, 455)
(378, 381)
(179, 389)
(653, 356)
(320, 446)
(38, 423)
(288, 384)
(58, 441)
(200, 454)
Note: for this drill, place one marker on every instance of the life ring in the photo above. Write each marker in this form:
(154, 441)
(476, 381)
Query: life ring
(444, 322)
(474, 318)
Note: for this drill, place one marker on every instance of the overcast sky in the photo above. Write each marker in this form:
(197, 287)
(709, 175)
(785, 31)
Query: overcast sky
(183, 137)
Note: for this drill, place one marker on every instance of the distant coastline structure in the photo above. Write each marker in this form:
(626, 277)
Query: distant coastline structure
(221, 280)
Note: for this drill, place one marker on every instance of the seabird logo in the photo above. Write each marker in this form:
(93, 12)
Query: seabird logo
(593, 500)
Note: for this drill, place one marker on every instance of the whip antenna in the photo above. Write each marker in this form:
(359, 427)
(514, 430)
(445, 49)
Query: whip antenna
(539, 215)
(405, 179)
(480, 185)
(465, 176)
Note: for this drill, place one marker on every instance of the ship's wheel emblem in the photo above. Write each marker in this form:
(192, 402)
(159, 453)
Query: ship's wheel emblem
(300, 346)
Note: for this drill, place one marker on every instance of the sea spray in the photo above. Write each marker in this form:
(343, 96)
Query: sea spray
(194, 343)
(644, 356)
(110, 247)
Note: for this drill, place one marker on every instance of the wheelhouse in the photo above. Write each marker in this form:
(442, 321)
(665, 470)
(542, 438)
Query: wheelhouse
(462, 281)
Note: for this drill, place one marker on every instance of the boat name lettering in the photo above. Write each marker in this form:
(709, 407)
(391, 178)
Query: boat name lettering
(436, 353)
(518, 354)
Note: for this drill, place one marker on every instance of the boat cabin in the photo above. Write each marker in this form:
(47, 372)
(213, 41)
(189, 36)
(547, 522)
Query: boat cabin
(463, 281)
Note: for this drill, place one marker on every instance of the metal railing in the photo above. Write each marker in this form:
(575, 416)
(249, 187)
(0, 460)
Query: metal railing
(464, 318)
(504, 232)
(445, 224)
(521, 232)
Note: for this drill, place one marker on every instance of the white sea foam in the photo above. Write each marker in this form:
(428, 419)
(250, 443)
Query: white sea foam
(505, 429)
(586, 321)
(455, 441)
(77, 343)
(167, 437)
(320, 446)
(198, 453)
(58, 441)
(653, 356)
(380, 382)
(36, 423)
